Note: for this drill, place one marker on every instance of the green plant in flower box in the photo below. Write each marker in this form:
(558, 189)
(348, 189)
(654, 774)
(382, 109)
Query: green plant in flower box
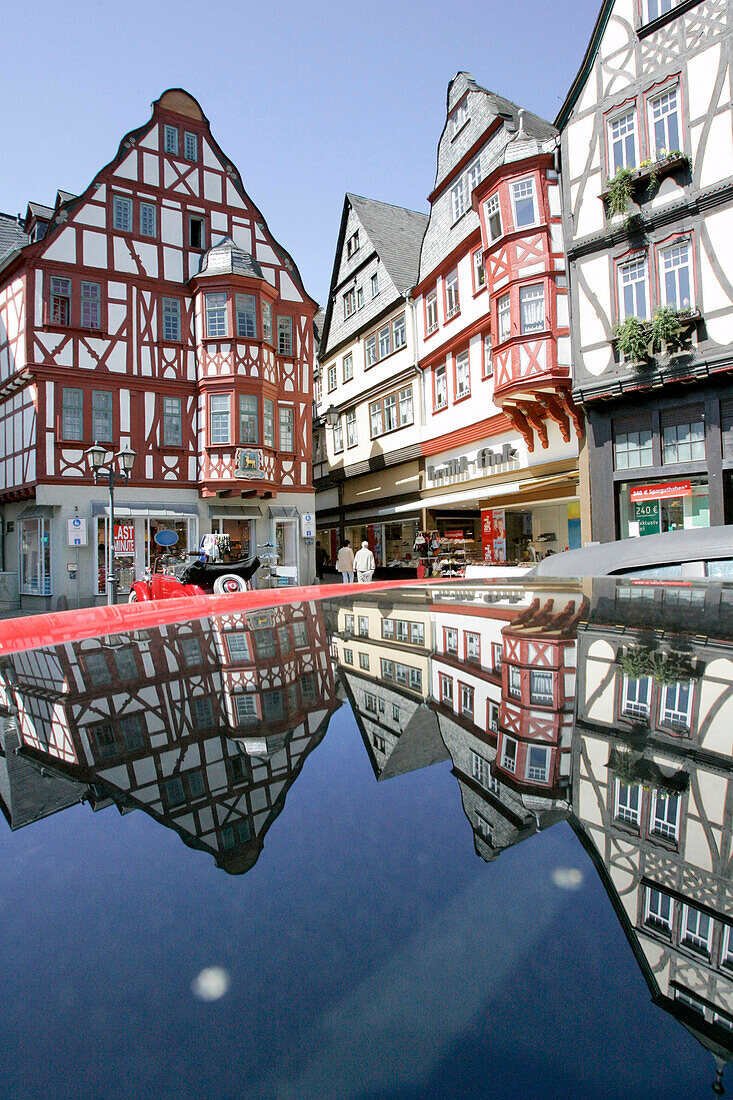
(632, 340)
(619, 192)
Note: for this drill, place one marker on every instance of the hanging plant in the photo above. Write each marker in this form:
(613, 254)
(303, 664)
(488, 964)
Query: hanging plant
(634, 663)
(665, 329)
(632, 340)
(664, 668)
(619, 192)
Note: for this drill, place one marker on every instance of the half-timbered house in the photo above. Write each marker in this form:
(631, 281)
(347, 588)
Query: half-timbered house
(647, 166)
(153, 312)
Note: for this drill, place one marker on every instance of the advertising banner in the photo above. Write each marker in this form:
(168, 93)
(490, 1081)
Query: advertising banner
(664, 491)
(493, 536)
(124, 538)
(647, 516)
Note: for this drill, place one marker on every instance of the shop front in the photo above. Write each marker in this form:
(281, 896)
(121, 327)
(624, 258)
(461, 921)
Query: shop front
(142, 535)
(651, 507)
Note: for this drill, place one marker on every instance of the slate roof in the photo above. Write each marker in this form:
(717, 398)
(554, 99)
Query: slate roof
(318, 322)
(396, 234)
(40, 211)
(227, 258)
(419, 745)
(11, 234)
(29, 791)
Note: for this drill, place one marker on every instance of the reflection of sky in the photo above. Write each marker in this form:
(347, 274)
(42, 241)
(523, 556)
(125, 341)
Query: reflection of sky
(371, 954)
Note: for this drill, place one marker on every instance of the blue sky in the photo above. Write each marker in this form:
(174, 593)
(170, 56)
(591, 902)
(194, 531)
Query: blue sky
(308, 100)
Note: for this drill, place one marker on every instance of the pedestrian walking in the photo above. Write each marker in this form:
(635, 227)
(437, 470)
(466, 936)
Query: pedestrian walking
(364, 564)
(345, 562)
(321, 561)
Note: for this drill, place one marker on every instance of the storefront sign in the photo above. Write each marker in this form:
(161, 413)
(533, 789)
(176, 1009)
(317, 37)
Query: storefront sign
(77, 531)
(647, 516)
(664, 491)
(248, 463)
(125, 538)
(493, 536)
(483, 463)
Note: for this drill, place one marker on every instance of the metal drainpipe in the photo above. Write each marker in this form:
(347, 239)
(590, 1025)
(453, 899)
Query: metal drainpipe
(410, 303)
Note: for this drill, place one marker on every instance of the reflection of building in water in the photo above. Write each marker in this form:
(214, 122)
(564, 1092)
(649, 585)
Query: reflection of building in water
(382, 649)
(503, 676)
(653, 787)
(203, 725)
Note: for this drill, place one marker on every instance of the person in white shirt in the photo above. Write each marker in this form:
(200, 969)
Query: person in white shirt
(345, 563)
(364, 564)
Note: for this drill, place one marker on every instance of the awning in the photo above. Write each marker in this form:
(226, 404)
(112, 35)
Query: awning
(237, 511)
(506, 488)
(283, 511)
(38, 511)
(164, 510)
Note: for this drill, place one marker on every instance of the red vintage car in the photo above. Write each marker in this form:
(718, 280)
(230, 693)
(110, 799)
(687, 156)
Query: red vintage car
(172, 578)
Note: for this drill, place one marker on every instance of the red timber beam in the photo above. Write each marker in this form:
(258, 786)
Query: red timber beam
(533, 418)
(519, 421)
(573, 411)
(554, 409)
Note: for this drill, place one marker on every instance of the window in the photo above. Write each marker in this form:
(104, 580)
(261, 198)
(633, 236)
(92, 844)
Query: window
(238, 646)
(417, 634)
(285, 424)
(726, 952)
(440, 383)
(431, 312)
(676, 706)
(171, 319)
(664, 125)
(450, 640)
(400, 674)
(452, 304)
(364, 661)
(348, 367)
(122, 213)
(446, 689)
(348, 657)
(60, 301)
(191, 651)
(395, 713)
(248, 418)
(196, 234)
(147, 219)
(102, 416)
(332, 379)
(463, 376)
(532, 308)
(267, 322)
(352, 245)
(363, 626)
(665, 815)
(684, 442)
(125, 663)
(268, 422)
(351, 439)
(371, 350)
(628, 802)
(697, 929)
(264, 643)
(632, 449)
(398, 332)
(503, 307)
(391, 412)
(171, 140)
(488, 358)
(523, 203)
(349, 302)
(190, 146)
(338, 436)
(172, 426)
(216, 314)
(359, 297)
(97, 669)
(622, 142)
(246, 315)
(658, 909)
(494, 227)
(370, 702)
(387, 669)
(415, 679)
(285, 335)
(375, 285)
(467, 701)
(300, 634)
(634, 289)
(675, 275)
(34, 536)
(479, 274)
(72, 414)
(655, 8)
(220, 414)
(203, 712)
(493, 716)
(515, 682)
(461, 192)
(540, 687)
(349, 624)
(385, 342)
(496, 655)
(636, 697)
(509, 755)
(538, 763)
(479, 769)
(458, 118)
(91, 305)
(379, 743)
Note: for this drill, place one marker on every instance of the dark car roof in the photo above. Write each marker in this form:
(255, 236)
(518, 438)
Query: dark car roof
(670, 548)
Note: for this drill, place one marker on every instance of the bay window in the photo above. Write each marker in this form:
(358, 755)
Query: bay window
(540, 687)
(509, 755)
(532, 308)
(216, 314)
(286, 421)
(34, 537)
(220, 418)
(524, 203)
(268, 422)
(538, 763)
(267, 322)
(248, 418)
(246, 317)
(622, 141)
(492, 215)
(504, 316)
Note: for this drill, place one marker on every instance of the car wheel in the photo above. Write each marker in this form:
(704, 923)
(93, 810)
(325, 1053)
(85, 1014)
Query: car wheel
(229, 582)
(132, 598)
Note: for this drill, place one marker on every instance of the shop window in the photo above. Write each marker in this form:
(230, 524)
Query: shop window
(538, 763)
(34, 536)
(658, 909)
(540, 687)
(286, 420)
(524, 203)
(684, 442)
(171, 319)
(348, 369)
(452, 302)
(285, 335)
(622, 141)
(494, 227)
(628, 802)
(172, 424)
(633, 289)
(268, 422)
(440, 387)
(72, 414)
(664, 123)
(246, 315)
(102, 416)
(509, 755)
(267, 322)
(220, 418)
(248, 418)
(503, 308)
(431, 312)
(463, 376)
(216, 314)
(665, 815)
(675, 274)
(532, 308)
(632, 449)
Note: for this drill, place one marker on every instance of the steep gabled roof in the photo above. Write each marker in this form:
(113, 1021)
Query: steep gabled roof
(12, 234)
(419, 746)
(585, 66)
(28, 791)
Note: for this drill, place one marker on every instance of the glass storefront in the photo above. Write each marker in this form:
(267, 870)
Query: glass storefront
(652, 507)
(241, 537)
(136, 546)
(34, 536)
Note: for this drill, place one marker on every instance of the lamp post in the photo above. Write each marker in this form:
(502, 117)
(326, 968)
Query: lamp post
(332, 417)
(98, 457)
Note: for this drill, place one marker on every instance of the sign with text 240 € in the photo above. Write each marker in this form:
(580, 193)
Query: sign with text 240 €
(248, 463)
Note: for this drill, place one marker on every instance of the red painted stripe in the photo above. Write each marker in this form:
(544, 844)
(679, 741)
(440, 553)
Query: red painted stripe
(494, 425)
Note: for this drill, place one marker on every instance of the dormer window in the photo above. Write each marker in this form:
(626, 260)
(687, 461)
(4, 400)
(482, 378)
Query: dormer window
(352, 245)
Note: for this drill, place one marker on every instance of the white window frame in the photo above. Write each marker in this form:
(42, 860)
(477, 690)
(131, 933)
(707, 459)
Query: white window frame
(217, 323)
(691, 925)
(621, 153)
(72, 413)
(537, 694)
(466, 697)
(348, 367)
(463, 376)
(662, 107)
(521, 191)
(675, 270)
(375, 284)
(661, 822)
(190, 146)
(655, 903)
(451, 640)
(633, 277)
(220, 419)
(515, 682)
(492, 212)
(446, 689)
(671, 711)
(536, 772)
(636, 701)
(172, 422)
(627, 802)
(452, 299)
(245, 316)
(479, 272)
(440, 387)
(286, 428)
(351, 432)
(504, 318)
(431, 311)
(532, 316)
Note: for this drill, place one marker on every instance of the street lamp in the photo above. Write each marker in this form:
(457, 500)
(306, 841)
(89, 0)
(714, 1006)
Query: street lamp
(332, 416)
(98, 457)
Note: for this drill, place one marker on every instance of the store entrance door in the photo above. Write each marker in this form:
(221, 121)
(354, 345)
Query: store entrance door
(518, 536)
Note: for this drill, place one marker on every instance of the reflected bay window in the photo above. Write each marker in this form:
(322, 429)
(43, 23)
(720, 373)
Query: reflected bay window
(538, 763)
